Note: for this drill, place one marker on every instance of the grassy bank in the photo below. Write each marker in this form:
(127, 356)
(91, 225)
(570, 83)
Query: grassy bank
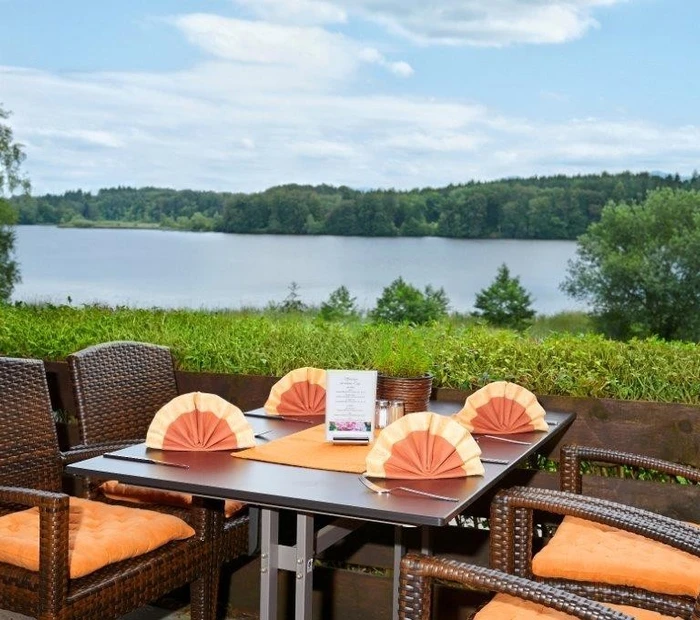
(460, 356)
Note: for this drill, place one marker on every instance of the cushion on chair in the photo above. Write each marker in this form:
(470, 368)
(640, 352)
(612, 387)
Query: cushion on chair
(98, 534)
(505, 607)
(586, 551)
(143, 495)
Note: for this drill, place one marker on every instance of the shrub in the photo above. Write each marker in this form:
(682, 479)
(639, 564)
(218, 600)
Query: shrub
(401, 302)
(505, 303)
(339, 306)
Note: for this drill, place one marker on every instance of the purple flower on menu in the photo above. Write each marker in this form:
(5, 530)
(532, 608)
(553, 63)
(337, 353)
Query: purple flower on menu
(347, 425)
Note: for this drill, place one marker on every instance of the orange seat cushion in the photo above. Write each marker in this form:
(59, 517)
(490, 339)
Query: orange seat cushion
(143, 495)
(98, 534)
(505, 607)
(586, 551)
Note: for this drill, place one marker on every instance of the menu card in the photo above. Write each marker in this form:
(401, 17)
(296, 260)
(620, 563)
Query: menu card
(350, 397)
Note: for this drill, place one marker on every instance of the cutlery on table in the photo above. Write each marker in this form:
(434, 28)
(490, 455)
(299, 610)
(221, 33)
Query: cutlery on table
(522, 443)
(261, 434)
(494, 461)
(285, 418)
(143, 459)
(382, 491)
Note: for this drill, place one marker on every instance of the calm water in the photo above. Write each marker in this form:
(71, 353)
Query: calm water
(144, 268)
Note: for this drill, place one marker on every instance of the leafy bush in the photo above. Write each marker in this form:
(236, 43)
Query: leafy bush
(340, 306)
(505, 303)
(463, 357)
(401, 302)
(639, 267)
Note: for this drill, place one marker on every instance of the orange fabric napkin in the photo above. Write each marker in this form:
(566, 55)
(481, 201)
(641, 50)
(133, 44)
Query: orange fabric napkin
(196, 422)
(309, 448)
(424, 445)
(502, 408)
(300, 392)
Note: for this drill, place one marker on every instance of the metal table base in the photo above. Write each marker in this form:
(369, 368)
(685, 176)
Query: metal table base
(299, 558)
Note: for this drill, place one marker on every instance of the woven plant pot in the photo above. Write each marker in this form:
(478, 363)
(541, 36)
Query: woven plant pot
(413, 391)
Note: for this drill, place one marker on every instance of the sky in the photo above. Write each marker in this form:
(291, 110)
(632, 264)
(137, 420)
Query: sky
(242, 95)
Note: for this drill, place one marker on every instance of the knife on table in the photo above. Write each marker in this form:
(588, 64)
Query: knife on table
(143, 459)
(290, 418)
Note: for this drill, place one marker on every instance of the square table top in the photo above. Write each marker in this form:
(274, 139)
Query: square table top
(218, 474)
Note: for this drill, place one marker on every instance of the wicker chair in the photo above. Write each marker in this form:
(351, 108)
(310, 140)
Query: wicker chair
(31, 467)
(513, 530)
(118, 388)
(418, 573)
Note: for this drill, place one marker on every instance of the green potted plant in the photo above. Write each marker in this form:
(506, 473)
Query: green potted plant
(403, 365)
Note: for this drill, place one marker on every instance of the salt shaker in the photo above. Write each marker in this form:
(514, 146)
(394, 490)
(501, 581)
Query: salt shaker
(396, 410)
(381, 414)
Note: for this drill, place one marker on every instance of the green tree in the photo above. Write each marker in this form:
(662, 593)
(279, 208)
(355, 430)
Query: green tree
(401, 302)
(639, 267)
(340, 306)
(505, 303)
(292, 302)
(11, 179)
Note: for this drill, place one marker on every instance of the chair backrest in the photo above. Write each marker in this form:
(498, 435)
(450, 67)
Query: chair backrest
(29, 454)
(118, 388)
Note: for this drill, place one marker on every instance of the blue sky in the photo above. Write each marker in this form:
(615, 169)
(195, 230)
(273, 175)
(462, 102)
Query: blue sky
(241, 95)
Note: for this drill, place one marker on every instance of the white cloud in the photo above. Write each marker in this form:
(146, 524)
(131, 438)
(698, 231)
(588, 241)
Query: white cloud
(480, 22)
(185, 130)
(295, 11)
(305, 55)
(276, 103)
(371, 55)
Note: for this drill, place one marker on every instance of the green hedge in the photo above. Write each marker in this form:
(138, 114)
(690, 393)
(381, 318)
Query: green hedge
(459, 357)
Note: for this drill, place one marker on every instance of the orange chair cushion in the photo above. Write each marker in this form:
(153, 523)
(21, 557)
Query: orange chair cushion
(586, 551)
(98, 534)
(143, 495)
(505, 607)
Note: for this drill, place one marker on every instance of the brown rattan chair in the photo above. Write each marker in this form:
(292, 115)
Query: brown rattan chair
(418, 573)
(118, 388)
(31, 468)
(572, 456)
(515, 513)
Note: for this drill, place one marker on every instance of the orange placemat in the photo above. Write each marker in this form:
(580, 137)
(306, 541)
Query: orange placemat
(309, 448)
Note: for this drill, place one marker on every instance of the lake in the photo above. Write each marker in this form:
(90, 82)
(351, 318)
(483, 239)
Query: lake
(168, 269)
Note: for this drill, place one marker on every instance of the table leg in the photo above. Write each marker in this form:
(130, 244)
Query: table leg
(269, 563)
(304, 567)
(399, 550)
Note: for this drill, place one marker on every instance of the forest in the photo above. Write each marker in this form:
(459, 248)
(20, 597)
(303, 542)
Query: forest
(552, 207)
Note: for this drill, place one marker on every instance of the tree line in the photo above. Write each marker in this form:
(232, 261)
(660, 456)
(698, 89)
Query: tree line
(547, 207)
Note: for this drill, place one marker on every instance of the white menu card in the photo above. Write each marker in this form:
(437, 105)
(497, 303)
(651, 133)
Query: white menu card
(350, 398)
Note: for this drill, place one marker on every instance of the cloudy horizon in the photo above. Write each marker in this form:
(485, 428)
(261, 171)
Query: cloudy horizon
(242, 95)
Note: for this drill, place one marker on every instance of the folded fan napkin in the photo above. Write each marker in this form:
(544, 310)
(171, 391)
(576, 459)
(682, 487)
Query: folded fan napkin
(424, 445)
(299, 392)
(502, 408)
(198, 422)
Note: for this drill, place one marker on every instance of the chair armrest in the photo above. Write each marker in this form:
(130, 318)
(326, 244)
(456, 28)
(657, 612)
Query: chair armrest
(418, 572)
(82, 451)
(571, 456)
(53, 535)
(512, 523)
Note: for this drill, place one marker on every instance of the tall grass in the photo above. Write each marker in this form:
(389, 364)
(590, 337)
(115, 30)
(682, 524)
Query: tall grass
(465, 356)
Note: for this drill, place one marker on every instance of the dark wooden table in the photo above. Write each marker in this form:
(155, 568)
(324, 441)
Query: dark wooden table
(309, 492)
